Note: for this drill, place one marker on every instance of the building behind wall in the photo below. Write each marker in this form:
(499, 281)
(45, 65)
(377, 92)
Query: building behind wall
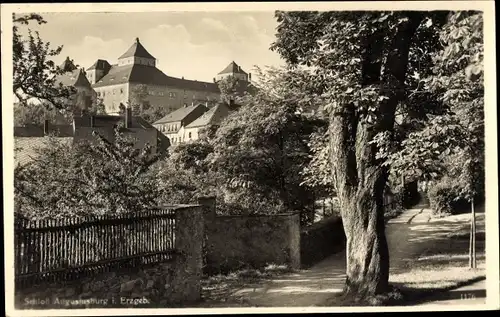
(174, 124)
(74, 77)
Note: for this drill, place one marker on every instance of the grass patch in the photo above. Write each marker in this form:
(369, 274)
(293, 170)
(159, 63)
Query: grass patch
(430, 277)
(449, 272)
(438, 276)
(219, 290)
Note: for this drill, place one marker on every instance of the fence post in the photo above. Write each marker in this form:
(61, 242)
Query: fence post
(189, 228)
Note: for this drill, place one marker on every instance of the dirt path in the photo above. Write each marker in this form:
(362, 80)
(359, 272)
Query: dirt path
(410, 238)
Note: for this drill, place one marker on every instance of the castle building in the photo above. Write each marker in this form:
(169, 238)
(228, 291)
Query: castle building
(235, 71)
(116, 84)
(76, 78)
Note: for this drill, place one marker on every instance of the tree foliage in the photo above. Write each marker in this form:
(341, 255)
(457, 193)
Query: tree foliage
(365, 67)
(229, 87)
(154, 113)
(451, 143)
(87, 178)
(34, 71)
(36, 114)
(260, 150)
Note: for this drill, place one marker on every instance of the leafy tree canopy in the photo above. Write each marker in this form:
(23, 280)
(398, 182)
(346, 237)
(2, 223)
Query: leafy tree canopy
(35, 73)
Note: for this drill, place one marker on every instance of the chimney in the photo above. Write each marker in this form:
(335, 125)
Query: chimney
(128, 117)
(214, 79)
(46, 127)
(92, 121)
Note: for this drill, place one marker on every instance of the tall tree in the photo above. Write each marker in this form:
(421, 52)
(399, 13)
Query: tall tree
(229, 87)
(139, 98)
(154, 113)
(360, 61)
(34, 71)
(259, 150)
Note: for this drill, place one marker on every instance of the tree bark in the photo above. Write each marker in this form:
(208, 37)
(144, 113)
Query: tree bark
(360, 178)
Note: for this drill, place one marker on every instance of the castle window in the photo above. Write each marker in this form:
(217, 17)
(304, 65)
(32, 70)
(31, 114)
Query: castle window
(160, 93)
(121, 91)
(190, 135)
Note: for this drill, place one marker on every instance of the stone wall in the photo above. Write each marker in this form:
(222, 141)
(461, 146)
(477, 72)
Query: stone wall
(236, 242)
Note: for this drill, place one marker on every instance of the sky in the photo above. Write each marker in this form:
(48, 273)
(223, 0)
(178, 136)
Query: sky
(193, 45)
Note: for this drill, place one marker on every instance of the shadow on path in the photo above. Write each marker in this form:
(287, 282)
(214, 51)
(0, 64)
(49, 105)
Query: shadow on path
(427, 243)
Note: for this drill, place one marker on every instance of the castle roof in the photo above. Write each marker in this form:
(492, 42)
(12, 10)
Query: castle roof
(213, 116)
(141, 74)
(179, 114)
(101, 65)
(68, 65)
(136, 50)
(232, 68)
(75, 78)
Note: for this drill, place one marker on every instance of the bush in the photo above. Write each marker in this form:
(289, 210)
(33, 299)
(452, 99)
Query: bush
(444, 197)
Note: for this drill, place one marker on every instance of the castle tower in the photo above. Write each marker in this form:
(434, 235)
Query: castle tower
(98, 71)
(234, 70)
(68, 65)
(137, 55)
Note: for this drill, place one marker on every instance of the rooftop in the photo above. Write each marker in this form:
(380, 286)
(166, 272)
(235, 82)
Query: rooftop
(74, 78)
(232, 68)
(214, 116)
(179, 114)
(100, 64)
(27, 149)
(136, 50)
(68, 65)
(141, 74)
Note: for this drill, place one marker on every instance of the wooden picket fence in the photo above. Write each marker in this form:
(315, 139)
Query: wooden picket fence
(70, 248)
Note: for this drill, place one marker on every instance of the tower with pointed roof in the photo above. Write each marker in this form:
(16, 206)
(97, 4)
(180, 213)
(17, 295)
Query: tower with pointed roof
(76, 78)
(68, 65)
(137, 55)
(235, 71)
(98, 70)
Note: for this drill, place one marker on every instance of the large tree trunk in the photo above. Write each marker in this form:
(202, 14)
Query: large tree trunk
(359, 177)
